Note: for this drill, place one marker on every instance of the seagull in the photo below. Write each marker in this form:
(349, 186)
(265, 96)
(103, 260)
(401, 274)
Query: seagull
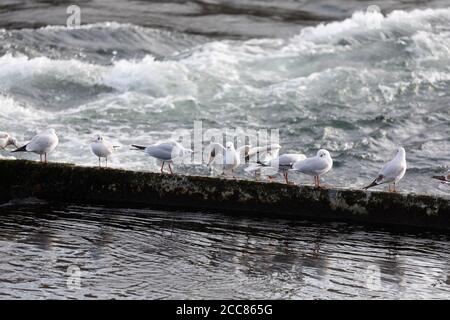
(445, 178)
(282, 164)
(391, 172)
(264, 156)
(7, 140)
(232, 156)
(42, 144)
(315, 166)
(165, 152)
(102, 148)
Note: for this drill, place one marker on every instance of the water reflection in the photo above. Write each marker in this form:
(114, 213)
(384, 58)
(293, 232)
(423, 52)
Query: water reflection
(130, 253)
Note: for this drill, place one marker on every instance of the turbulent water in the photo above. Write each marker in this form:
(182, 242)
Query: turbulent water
(358, 86)
(62, 251)
(327, 74)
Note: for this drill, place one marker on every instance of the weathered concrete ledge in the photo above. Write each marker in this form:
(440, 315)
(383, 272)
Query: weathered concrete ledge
(66, 182)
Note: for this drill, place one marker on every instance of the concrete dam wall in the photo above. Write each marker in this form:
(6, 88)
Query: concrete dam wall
(71, 183)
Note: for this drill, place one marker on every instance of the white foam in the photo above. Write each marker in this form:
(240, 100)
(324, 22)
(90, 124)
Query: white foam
(216, 70)
(11, 110)
(159, 78)
(16, 69)
(374, 23)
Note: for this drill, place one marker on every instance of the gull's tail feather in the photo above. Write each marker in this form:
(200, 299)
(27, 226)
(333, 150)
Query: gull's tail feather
(138, 147)
(373, 184)
(21, 149)
(116, 147)
(442, 178)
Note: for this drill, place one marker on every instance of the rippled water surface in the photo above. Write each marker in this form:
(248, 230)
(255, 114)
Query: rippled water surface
(130, 253)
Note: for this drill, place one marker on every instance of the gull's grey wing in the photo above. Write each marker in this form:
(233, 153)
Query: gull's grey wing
(391, 170)
(40, 142)
(161, 151)
(310, 165)
(288, 159)
(263, 149)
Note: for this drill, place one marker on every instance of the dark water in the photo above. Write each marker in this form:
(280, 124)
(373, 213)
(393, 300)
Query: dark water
(327, 74)
(127, 254)
(215, 18)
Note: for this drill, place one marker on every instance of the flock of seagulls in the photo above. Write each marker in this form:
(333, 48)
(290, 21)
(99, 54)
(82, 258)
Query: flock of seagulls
(269, 163)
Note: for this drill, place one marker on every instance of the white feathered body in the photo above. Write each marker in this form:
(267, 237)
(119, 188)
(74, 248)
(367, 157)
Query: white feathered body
(167, 151)
(232, 159)
(315, 166)
(394, 170)
(285, 162)
(102, 148)
(43, 143)
(5, 140)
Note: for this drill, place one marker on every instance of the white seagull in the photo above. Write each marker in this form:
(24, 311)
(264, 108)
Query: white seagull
(391, 172)
(165, 152)
(282, 164)
(257, 169)
(7, 140)
(41, 144)
(445, 178)
(102, 148)
(232, 156)
(315, 166)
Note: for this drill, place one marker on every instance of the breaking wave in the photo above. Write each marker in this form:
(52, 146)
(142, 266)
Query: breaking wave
(356, 86)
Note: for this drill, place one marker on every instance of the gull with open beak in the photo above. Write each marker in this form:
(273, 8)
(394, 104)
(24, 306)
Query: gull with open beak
(41, 144)
(165, 152)
(102, 148)
(315, 166)
(392, 172)
(6, 140)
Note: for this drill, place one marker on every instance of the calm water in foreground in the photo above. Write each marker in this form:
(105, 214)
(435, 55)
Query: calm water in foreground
(64, 251)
